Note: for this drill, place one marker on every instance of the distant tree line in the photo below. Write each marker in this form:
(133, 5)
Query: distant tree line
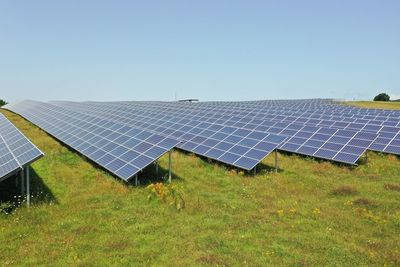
(2, 102)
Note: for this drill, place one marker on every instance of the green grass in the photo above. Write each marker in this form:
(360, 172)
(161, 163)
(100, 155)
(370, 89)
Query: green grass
(310, 213)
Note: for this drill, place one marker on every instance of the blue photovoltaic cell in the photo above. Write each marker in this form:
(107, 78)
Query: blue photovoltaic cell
(265, 146)
(224, 146)
(290, 147)
(115, 165)
(229, 158)
(214, 153)
(392, 149)
(247, 163)
(255, 154)
(201, 149)
(239, 150)
(344, 157)
(327, 154)
(154, 152)
(307, 150)
(127, 170)
(332, 146)
(141, 161)
(352, 150)
(106, 159)
(377, 147)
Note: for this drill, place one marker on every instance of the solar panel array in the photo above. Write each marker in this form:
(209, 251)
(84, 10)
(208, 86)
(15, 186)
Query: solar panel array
(16, 150)
(184, 120)
(237, 133)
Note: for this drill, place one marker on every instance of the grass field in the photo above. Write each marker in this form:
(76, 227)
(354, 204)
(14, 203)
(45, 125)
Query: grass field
(375, 104)
(310, 213)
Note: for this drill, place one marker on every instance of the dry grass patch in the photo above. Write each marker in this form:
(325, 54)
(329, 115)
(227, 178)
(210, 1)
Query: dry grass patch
(394, 187)
(345, 190)
(322, 167)
(365, 202)
(211, 260)
(392, 157)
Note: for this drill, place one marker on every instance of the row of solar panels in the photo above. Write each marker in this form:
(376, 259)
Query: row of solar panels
(263, 108)
(256, 112)
(16, 151)
(125, 137)
(325, 106)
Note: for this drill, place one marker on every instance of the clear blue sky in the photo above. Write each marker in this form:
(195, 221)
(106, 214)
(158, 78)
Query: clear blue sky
(211, 50)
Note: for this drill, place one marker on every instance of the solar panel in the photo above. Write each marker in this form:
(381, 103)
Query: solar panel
(337, 145)
(241, 151)
(16, 151)
(122, 150)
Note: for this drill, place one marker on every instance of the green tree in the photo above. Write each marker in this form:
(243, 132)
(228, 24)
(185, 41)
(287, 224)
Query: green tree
(382, 97)
(2, 102)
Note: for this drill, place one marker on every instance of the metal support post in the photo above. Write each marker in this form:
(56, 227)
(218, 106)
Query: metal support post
(136, 180)
(28, 187)
(16, 181)
(22, 182)
(157, 168)
(169, 168)
(276, 160)
(255, 170)
(366, 156)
